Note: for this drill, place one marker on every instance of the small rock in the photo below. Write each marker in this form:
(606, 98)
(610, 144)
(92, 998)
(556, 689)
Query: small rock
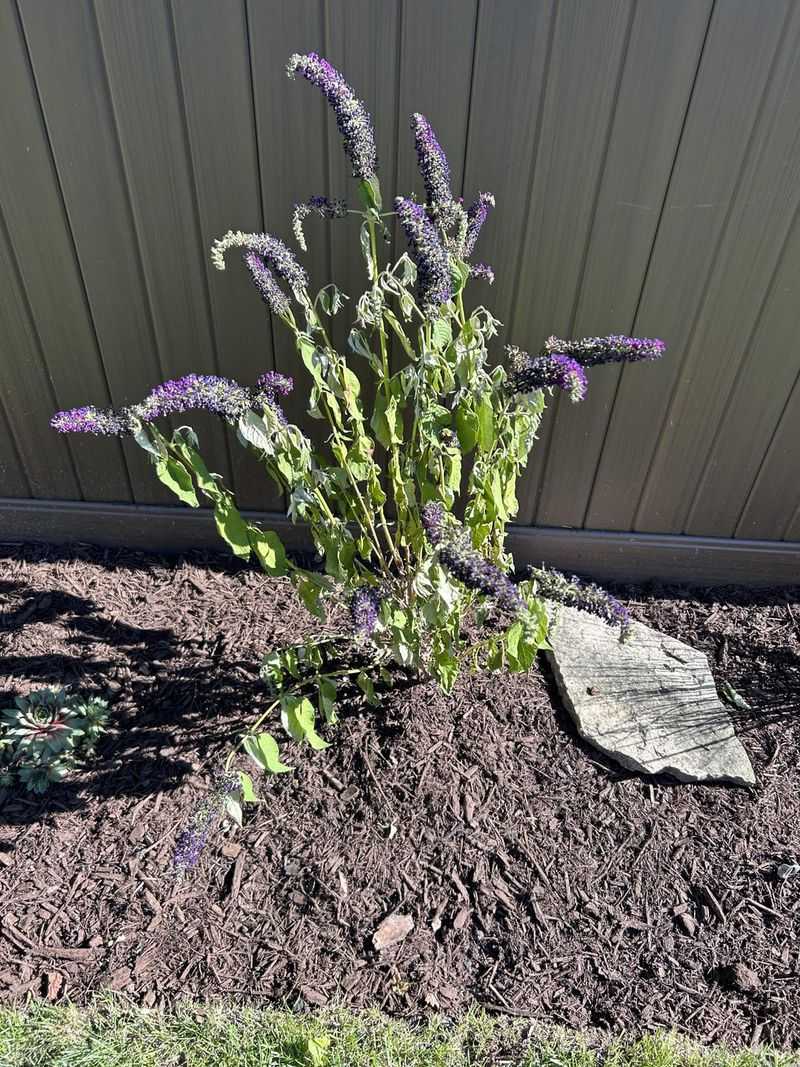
(53, 983)
(313, 996)
(738, 976)
(687, 924)
(392, 930)
(231, 850)
(461, 919)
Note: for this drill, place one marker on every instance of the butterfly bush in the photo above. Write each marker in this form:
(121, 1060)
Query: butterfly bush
(408, 491)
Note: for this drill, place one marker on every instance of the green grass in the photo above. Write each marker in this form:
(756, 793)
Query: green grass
(114, 1033)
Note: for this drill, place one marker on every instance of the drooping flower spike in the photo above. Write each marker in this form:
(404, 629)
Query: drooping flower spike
(352, 117)
(193, 392)
(192, 840)
(460, 559)
(319, 205)
(89, 419)
(571, 591)
(482, 270)
(616, 348)
(432, 162)
(476, 216)
(434, 282)
(555, 371)
(269, 387)
(274, 253)
(264, 281)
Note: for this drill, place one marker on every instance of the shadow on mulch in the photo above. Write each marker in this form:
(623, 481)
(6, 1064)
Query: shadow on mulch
(540, 879)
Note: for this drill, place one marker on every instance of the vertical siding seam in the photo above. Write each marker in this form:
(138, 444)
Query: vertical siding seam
(137, 242)
(72, 239)
(763, 463)
(326, 141)
(738, 375)
(711, 267)
(795, 517)
(261, 192)
(547, 445)
(187, 142)
(537, 137)
(398, 78)
(257, 143)
(14, 446)
(37, 340)
(648, 264)
(470, 97)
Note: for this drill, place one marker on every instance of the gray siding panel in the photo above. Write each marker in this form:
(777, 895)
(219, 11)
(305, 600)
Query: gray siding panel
(645, 161)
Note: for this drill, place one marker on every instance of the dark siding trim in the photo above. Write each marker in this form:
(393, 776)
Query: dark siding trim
(607, 556)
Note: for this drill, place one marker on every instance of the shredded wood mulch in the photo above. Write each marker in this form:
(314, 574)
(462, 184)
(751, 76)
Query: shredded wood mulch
(443, 851)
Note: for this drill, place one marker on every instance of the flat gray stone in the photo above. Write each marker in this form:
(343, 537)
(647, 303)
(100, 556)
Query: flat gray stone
(650, 703)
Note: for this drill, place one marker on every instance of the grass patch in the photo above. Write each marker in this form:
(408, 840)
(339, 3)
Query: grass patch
(114, 1033)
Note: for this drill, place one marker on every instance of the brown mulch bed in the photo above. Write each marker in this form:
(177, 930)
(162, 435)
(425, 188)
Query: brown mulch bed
(540, 879)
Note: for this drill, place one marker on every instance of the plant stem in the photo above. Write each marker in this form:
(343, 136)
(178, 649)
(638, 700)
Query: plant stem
(314, 678)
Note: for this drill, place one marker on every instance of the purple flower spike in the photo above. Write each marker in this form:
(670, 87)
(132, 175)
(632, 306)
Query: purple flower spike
(270, 384)
(482, 270)
(264, 281)
(432, 516)
(90, 419)
(319, 205)
(364, 606)
(475, 572)
(617, 348)
(433, 263)
(555, 371)
(476, 216)
(460, 559)
(352, 117)
(553, 585)
(192, 840)
(206, 392)
(274, 253)
(432, 161)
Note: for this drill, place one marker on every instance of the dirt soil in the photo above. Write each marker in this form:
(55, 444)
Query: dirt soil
(540, 880)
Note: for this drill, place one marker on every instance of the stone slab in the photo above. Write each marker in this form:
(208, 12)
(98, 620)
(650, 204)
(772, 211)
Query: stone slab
(650, 704)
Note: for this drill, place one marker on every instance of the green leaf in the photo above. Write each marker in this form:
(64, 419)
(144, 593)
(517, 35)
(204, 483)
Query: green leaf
(399, 332)
(442, 333)
(310, 589)
(248, 792)
(467, 426)
(298, 716)
(232, 527)
(149, 441)
(176, 478)
(384, 421)
(460, 273)
(366, 248)
(485, 414)
(254, 430)
(521, 650)
(265, 753)
(233, 809)
(269, 550)
(327, 700)
(369, 191)
(183, 441)
(364, 683)
(444, 666)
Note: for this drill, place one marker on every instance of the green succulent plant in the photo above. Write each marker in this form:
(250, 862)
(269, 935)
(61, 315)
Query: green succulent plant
(43, 735)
